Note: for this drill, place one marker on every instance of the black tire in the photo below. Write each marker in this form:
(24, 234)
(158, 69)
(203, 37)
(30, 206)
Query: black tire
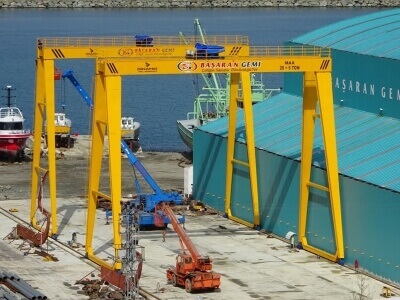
(173, 280)
(188, 285)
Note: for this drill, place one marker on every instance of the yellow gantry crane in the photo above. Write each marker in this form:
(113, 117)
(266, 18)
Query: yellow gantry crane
(117, 57)
(313, 62)
(50, 49)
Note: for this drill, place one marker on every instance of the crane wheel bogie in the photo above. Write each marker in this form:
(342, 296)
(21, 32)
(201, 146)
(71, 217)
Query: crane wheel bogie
(188, 285)
(174, 282)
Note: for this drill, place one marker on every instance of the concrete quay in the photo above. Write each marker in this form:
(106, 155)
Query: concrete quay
(252, 264)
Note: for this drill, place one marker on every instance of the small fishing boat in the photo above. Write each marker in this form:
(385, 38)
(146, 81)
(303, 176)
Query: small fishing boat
(13, 134)
(130, 128)
(62, 123)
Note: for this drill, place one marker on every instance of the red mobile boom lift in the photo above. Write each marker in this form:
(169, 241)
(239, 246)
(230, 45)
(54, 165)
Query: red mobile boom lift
(192, 270)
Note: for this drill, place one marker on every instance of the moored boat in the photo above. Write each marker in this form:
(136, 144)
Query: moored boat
(130, 128)
(62, 131)
(214, 102)
(13, 134)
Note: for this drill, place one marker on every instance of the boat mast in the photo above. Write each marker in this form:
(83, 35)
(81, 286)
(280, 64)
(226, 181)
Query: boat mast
(217, 95)
(8, 89)
(203, 37)
(212, 80)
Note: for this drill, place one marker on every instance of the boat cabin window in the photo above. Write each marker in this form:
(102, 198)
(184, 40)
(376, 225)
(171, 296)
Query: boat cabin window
(11, 126)
(59, 118)
(188, 260)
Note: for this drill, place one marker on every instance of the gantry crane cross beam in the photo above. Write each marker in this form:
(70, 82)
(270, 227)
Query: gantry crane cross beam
(173, 65)
(50, 49)
(316, 69)
(129, 46)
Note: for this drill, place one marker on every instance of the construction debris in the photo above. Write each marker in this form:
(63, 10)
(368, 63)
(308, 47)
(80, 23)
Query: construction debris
(98, 289)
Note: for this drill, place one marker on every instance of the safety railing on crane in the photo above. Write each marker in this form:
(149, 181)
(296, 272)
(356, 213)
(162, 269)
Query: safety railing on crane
(290, 51)
(133, 40)
(255, 51)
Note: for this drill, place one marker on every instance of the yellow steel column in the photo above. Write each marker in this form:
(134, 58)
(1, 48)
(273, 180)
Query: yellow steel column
(44, 103)
(324, 81)
(51, 142)
(113, 88)
(249, 127)
(232, 117)
(39, 116)
(99, 126)
(319, 86)
(309, 110)
(250, 142)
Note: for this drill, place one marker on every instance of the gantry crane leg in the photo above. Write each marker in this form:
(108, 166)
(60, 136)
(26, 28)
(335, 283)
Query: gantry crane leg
(250, 144)
(44, 105)
(318, 86)
(99, 127)
(106, 117)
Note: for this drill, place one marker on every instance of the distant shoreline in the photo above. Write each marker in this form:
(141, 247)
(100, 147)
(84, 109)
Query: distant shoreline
(194, 4)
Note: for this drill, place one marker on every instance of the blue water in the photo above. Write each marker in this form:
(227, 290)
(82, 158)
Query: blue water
(155, 101)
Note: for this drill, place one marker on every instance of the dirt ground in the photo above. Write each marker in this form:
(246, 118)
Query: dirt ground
(72, 165)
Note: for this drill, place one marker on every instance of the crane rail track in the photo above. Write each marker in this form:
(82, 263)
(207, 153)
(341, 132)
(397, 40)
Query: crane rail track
(144, 293)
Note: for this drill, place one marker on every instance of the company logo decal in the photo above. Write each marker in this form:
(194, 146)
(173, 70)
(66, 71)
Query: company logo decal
(91, 52)
(187, 66)
(151, 51)
(147, 68)
(230, 66)
(367, 88)
(125, 52)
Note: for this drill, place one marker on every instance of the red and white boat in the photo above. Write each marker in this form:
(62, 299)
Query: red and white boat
(13, 135)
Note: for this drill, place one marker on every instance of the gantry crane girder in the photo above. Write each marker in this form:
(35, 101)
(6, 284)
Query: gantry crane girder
(129, 46)
(314, 63)
(50, 49)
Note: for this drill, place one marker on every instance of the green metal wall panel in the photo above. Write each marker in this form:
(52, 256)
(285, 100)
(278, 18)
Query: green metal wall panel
(278, 183)
(241, 199)
(365, 82)
(362, 82)
(370, 222)
(320, 231)
(370, 213)
(209, 177)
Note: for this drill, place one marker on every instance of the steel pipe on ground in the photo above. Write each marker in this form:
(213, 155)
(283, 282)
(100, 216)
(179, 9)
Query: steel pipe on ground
(25, 285)
(21, 289)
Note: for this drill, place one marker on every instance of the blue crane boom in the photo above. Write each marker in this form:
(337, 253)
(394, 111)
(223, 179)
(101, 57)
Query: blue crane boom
(146, 202)
(159, 195)
(69, 74)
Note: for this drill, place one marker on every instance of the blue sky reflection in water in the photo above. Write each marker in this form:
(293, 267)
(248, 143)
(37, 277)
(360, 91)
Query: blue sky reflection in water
(155, 101)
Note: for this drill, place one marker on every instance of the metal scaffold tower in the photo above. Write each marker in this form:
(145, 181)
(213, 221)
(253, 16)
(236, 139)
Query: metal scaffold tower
(134, 254)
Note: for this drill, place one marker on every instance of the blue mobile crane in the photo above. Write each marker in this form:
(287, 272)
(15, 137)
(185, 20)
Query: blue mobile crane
(144, 203)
